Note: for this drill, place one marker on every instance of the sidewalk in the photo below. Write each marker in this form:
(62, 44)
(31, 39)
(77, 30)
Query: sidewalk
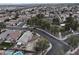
(50, 46)
(72, 52)
(69, 35)
(47, 50)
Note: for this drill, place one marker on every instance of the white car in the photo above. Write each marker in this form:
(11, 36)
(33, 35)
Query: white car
(25, 26)
(19, 23)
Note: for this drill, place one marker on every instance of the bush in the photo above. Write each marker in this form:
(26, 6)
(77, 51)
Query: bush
(41, 45)
(73, 41)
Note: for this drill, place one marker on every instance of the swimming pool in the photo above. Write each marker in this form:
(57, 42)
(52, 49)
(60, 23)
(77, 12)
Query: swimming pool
(9, 52)
(12, 52)
(18, 53)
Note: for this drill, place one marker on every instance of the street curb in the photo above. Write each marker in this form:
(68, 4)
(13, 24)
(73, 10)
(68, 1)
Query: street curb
(48, 49)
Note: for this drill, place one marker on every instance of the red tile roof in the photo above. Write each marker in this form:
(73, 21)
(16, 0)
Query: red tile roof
(15, 35)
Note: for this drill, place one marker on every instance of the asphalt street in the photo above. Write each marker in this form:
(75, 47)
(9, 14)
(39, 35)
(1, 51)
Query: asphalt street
(58, 46)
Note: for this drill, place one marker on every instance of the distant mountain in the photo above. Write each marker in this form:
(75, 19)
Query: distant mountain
(32, 5)
(18, 5)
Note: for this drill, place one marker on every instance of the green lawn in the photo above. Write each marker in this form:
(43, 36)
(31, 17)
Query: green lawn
(5, 45)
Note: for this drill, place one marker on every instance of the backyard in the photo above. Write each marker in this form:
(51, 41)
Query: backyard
(5, 45)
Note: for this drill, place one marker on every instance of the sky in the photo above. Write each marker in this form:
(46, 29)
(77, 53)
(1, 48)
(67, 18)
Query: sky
(37, 1)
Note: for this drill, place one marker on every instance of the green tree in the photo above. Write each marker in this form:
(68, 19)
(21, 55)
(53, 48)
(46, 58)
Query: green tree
(16, 15)
(7, 20)
(2, 25)
(73, 40)
(54, 29)
(55, 21)
(45, 25)
(40, 16)
(42, 45)
(74, 25)
(71, 23)
(35, 21)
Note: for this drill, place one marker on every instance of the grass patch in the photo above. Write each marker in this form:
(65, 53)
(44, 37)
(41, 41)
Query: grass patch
(5, 45)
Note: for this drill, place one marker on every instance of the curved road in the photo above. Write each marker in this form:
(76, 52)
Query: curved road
(58, 46)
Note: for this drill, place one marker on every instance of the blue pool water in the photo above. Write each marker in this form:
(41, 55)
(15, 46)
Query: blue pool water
(11, 52)
(18, 53)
